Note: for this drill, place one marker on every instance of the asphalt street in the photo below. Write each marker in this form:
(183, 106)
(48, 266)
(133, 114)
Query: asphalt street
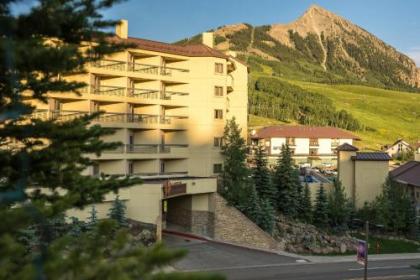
(238, 263)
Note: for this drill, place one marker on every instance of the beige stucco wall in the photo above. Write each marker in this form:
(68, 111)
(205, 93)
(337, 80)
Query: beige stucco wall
(369, 179)
(345, 168)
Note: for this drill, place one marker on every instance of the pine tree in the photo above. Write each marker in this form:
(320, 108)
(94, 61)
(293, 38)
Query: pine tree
(117, 212)
(262, 178)
(267, 215)
(235, 172)
(76, 227)
(320, 218)
(306, 206)
(37, 48)
(286, 182)
(338, 204)
(93, 217)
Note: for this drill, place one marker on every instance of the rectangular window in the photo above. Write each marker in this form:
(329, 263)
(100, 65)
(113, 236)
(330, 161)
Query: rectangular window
(218, 141)
(217, 168)
(290, 141)
(313, 142)
(313, 152)
(95, 169)
(218, 91)
(218, 114)
(130, 168)
(218, 68)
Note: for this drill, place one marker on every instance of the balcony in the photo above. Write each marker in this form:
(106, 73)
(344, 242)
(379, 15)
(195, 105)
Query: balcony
(109, 90)
(167, 94)
(110, 64)
(143, 68)
(67, 115)
(127, 118)
(143, 93)
(161, 174)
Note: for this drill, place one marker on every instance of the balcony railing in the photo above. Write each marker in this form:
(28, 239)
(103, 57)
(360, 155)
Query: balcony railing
(145, 148)
(143, 68)
(131, 118)
(109, 90)
(169, 173)
(167, 71)
(142, 148)
(167, 94)
(110, 64)
(143, 93)
(137, 67)
(66, 115)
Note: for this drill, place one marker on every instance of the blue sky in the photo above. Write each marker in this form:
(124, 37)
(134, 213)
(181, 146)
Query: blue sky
(397, 22)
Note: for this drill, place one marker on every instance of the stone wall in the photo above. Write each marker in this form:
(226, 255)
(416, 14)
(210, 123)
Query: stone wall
(202, 223)
(231, 226)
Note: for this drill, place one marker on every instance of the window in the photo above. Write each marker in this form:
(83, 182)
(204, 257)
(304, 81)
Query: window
(218, 114)
(218, 68)
(313, 152)
(335, 142)
(130, 168)
(290, 141)
(217, 168)
(313, 142)
(218, 141)
(218, 91)
(95, 169)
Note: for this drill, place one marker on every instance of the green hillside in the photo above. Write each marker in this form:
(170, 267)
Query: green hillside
(388, 114)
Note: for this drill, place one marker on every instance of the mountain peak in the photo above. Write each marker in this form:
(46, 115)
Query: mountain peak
(315, 11)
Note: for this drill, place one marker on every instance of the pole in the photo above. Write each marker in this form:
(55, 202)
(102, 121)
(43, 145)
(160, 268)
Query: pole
(367, 248)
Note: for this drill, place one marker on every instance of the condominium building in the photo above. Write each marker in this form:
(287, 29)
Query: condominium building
(168, 105)
(309, 145)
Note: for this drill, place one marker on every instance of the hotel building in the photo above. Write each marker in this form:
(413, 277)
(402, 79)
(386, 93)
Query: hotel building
(168, 105)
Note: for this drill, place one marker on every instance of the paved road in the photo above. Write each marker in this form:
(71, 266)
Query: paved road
(244, 264)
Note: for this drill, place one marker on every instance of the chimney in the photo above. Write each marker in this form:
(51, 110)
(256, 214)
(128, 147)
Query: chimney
(121, 30)
(208, 39)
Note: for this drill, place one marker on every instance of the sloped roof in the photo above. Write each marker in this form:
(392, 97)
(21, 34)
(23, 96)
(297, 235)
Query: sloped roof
(347, 148)
(371, 156)
(198, 50)
(408, 173)
(303, 132)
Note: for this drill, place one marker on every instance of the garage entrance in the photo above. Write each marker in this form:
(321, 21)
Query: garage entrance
(189, 213)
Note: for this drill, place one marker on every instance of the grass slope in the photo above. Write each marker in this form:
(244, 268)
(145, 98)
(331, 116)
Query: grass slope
(393, 114)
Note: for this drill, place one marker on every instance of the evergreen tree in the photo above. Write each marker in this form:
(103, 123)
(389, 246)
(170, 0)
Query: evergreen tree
(306, 205)
(262, 178)
(267, 217)
(338, 207)
(286, 182)
(76, 227)
(235, 172)
(395, 208)
(93, 217)
(117, 212)
(37, 48)
(320, 218)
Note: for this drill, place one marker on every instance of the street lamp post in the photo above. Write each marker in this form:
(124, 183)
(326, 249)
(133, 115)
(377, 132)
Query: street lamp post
(367, 248)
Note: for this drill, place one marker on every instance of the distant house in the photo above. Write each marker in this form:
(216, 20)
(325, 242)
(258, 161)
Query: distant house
(362, 174)
(408, 175)
(309, 145)
(398, 148)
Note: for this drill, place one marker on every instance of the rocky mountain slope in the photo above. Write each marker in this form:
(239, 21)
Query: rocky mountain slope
(320, 47)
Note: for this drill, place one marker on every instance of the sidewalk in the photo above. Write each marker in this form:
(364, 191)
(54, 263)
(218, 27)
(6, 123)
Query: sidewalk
(350, 258)
(307, 258)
